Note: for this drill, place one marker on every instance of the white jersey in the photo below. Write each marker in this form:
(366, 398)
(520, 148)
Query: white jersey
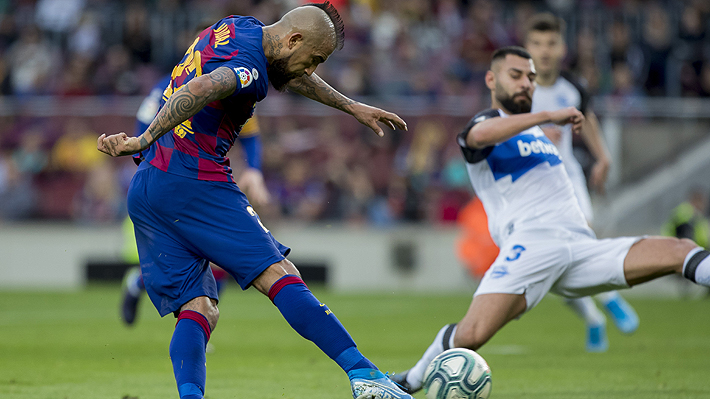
(522, 183)
(567, 92)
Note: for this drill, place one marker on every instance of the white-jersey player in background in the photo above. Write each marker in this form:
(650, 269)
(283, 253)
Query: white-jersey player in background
(534, 217)
(556, 90)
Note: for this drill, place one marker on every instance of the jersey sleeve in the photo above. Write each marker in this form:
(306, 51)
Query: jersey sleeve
(245, 76)
(252, 150)
(474, 155)
(584, 97)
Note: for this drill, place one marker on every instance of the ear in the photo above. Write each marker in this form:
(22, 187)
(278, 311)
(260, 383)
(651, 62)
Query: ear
(490, 80)
(294, 40)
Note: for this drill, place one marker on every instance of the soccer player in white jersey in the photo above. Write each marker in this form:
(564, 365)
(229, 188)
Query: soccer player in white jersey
(555, 90)
(534, 217)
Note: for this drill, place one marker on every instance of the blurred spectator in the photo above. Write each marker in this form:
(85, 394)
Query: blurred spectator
(584, 62)
(31, 61)
(18, 196)
(623, 81)
(75, 151)
(101, 199)
(692, 50)
(657, 42)
(30, 157)
(623, 50)
(58, 16)
(116, 74)
(136, 36)
(85, 41)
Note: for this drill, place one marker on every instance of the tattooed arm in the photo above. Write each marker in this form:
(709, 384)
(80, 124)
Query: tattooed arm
(317, 89)
(182, 105)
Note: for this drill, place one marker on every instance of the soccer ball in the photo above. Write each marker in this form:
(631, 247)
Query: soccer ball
(457, 374)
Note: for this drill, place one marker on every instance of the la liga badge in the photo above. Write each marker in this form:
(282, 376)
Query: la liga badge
(245, 76)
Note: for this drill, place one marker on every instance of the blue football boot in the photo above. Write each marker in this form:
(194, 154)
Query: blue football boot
(373, 384)
(401, 380)
(596, 338)
(623, 315)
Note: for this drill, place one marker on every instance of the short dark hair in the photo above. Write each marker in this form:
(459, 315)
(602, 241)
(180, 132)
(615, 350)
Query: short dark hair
(546, 22)
(514, 50)
(337, 22)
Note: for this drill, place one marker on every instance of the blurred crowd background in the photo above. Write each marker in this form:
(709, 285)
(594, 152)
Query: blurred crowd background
(73, 69)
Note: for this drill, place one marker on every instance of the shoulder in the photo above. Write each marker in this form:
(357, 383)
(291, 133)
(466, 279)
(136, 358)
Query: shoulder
(580, 85)
(241, 21)
(237, 43)
(480, 117)
(474, 155)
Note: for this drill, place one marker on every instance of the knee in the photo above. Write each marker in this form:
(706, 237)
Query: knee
(206, 307)
(682, 247)
(212, 314)
(273, 273)
(685, 245)
(290, 268)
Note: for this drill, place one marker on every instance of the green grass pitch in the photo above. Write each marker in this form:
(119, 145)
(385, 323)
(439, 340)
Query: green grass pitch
(73, 345)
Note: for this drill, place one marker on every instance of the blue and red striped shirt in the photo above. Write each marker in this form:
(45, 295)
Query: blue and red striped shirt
(197, 148)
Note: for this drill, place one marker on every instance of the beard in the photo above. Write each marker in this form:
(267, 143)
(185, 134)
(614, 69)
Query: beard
(519, 106)
(279, 75)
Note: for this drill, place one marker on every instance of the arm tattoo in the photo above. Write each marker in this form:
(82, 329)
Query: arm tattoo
(317, 89)
(188, 100)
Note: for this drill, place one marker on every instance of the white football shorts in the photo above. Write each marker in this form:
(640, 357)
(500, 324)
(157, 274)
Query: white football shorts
(568, 264)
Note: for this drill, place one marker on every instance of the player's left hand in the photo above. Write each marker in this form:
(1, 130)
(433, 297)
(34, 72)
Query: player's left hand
(598, 175)
(252, 183)
(119, 144)
(369, 116)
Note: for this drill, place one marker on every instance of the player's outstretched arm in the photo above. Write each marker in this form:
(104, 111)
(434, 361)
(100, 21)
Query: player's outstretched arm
(496, 130)
(317, 89)
(183, 104)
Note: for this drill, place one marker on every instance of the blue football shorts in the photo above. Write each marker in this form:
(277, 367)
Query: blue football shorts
(181, 224)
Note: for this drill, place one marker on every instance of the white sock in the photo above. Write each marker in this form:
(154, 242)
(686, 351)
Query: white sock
(587, 310)
(696, 266)
(134, 276)
(606, 297)
(416, 373)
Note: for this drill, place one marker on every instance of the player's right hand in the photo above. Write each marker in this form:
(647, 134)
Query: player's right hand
(568, 115)
(119, 144)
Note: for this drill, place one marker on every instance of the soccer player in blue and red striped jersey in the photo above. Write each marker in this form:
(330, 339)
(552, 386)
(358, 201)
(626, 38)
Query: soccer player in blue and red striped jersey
(251, 181)
(187, 210)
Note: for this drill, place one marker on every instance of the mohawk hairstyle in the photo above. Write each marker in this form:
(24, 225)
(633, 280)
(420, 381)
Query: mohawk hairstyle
(337, 22)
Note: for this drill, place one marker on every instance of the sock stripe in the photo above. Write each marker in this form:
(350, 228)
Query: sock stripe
(693, 263)
(447, 336)
(199, 318)
(282, 282)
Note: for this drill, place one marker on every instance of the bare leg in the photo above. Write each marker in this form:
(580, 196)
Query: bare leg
(268, 277)
(206, 307)
(655, 257)
(487, 314)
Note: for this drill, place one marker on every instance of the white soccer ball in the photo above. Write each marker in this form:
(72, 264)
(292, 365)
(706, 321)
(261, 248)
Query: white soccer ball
(457, 374)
